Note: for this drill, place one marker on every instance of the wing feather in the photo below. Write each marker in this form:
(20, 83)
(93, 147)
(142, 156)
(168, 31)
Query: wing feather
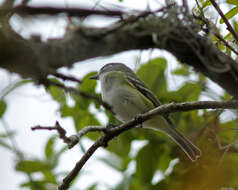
(139, 85)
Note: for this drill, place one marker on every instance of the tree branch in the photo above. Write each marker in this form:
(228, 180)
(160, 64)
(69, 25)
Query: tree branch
(207, 30)
(79, 12)
(72, 140)
(60, 130)
(66, 77)
(167, 32)
(110, 133)
(229, 27)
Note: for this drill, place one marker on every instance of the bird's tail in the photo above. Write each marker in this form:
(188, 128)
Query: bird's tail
(187, 146)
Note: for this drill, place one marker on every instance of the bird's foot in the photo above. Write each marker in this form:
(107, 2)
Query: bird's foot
(139, 119)
(111, 125)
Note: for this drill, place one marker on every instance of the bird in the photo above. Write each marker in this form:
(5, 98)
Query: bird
(129, 97)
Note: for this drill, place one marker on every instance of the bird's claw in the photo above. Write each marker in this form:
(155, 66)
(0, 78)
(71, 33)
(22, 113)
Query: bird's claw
(111, 125)
(138, 118)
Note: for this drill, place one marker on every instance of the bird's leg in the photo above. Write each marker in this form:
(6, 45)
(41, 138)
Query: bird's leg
(111, 125)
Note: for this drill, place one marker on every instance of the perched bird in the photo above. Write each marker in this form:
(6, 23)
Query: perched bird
(129, 96)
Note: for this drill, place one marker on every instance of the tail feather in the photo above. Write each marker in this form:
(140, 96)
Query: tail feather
(187, 146)
(166, 125)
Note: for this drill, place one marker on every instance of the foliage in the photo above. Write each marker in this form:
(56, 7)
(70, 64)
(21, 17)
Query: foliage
(159, 151)
(217, 167)
(46, 167)
(226, 36)
(3, 107)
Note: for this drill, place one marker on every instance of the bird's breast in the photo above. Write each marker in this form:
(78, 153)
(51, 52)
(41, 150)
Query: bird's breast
(126, 102)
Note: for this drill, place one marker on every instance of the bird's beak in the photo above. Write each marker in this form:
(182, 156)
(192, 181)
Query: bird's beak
(95, 77)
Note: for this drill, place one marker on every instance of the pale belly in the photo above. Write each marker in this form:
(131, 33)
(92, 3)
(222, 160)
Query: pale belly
(126, 104)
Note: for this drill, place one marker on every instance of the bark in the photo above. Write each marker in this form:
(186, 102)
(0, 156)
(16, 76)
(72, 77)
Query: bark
(36, 59)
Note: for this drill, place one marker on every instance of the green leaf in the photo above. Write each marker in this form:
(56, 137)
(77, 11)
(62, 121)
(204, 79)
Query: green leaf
(151, 158)
(228, 131)
(124, 184)
(3, 107)
(7, 135)
(137, 184)
(84, 118)
(189, 92)
(49, 177)
(206, 4)
(152, 73)
(92, 187)
(164, 161)
(80, 110)
(87, 84)
(121, 147)
(147, 162)
(31, 166)
(226, 96)
(57, 93)
(235, 25)
(228, 51)
(55, 158)
(49, 148)
(227, 36)
(232, 2)
(183, 71)
(230, 14)
(67, 111)
(35, 185)
(113, 161)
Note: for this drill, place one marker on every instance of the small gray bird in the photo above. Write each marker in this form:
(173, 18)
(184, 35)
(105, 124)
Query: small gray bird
(129, 96)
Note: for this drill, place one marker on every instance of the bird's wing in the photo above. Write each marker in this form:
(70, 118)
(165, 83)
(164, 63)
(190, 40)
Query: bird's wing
(139, 85)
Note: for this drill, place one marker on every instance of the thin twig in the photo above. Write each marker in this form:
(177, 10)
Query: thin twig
(72, 140)
(226, 43)
(75, 138)
(185, 5)
(79, 12)
(81, 93)
(207, 23)
(12, 139)
(227, 147)
(87, 129)
(219, 37)
(60, 130)
(39, 127)
(229, 27)
(133, 19)
(69, 178)
(163, 109)
(65, 77)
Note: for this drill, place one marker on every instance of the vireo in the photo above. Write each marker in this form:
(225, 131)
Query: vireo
(129, 96)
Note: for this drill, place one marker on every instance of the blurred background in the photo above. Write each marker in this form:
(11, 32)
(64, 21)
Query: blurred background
(138, 159)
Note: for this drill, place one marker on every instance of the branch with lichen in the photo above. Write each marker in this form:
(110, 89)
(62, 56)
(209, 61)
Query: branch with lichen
(210, 25)
(167, 31)
(229, 27)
